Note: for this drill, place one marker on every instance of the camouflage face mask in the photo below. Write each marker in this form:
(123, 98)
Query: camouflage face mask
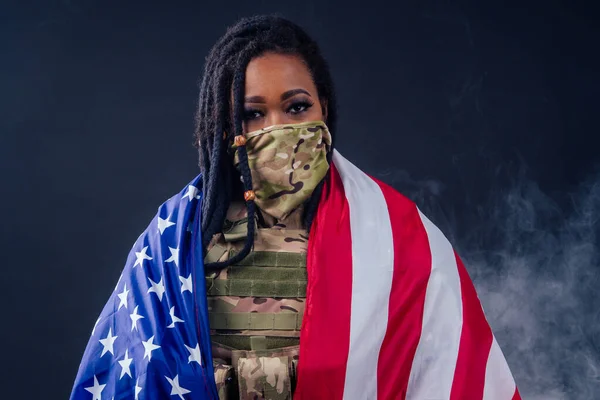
(287, 162)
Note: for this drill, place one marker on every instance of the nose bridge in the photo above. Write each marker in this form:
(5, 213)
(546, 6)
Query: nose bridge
(276, 117)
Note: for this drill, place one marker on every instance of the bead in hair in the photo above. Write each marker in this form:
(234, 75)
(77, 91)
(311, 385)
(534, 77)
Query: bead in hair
(240, 141)
(249, 195)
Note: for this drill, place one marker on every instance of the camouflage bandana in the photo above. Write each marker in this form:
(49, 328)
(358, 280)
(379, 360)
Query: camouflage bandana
(287, 162)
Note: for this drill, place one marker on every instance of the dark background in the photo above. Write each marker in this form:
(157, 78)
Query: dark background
(485, 114)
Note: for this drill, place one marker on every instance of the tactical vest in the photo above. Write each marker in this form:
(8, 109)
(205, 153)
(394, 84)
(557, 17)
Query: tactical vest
(255, 308)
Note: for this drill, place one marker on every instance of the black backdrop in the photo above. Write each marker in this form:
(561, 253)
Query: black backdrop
(486, 115)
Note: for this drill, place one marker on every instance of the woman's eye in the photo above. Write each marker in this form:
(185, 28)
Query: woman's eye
(251, 114)
(299, 107)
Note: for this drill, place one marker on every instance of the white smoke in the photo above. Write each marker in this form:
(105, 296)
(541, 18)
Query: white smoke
(536, 269)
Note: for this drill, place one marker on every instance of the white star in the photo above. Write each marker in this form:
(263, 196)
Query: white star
(174, 256)
(134, 318)
(186, 283)
(138, 389)
(174, 319)
(157, 288)
(125, 365)
(149, 347)
(123, 297)
(194, 354)
(95, 325)
(141, 256)
(175, 388)
(108, 343)
(192, 193)
(96, 390)
(164, 224)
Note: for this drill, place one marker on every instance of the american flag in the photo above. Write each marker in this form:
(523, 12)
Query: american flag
(391, 312)
(152, 339)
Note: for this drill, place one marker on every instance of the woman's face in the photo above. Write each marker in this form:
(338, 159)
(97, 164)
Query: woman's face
(280, 90)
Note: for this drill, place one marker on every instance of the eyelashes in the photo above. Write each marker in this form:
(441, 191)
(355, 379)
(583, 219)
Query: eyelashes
(251, 113)
(296, 108)
(300, 106)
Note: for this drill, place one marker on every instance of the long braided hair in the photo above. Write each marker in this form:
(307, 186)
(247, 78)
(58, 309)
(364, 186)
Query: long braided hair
(218, 120)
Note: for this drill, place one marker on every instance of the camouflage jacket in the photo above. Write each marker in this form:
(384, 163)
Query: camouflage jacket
(256, 307)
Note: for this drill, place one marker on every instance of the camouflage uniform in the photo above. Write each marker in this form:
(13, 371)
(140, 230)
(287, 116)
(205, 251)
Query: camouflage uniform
(255, 333)
(256, 307)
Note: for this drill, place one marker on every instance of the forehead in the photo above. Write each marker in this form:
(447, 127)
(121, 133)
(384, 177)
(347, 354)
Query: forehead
(274, 73)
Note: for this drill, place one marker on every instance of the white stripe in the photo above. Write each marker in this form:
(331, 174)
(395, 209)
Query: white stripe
(372, 270)
(433, 367)
(499, 382)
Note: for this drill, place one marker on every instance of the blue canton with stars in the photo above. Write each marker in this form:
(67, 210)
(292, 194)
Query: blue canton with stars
(152, 340)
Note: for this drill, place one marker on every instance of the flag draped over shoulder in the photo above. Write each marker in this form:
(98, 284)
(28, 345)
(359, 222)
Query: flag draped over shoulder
(391, 312)
(152, 339)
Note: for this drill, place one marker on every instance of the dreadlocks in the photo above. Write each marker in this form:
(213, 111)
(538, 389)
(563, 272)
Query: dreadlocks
(219, 119)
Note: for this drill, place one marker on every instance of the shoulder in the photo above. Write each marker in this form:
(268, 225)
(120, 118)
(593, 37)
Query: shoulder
(368, 192)
(158, 254)
(186, 199)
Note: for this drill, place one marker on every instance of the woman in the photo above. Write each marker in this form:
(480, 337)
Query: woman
(283, 269)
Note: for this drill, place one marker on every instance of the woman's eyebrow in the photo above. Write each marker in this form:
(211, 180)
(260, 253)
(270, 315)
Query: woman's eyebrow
(255, 99)
(284, 96)
(293, 92)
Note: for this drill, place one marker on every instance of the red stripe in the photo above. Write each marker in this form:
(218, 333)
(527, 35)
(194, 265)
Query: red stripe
(517, 395)
(475, 343)
(412, 267)
(325, 334)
